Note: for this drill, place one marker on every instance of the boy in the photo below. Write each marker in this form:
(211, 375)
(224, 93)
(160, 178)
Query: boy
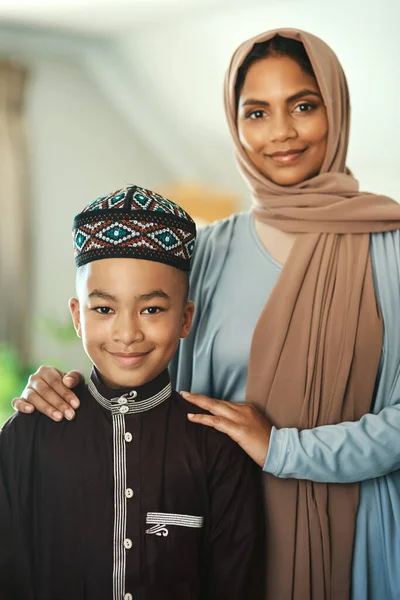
(130, 500)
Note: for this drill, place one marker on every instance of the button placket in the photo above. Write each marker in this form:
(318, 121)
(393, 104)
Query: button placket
(129, 493)
(121, 408)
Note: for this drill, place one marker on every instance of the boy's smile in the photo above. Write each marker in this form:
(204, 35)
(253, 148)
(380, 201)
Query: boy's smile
(126, 359)
(130, 314)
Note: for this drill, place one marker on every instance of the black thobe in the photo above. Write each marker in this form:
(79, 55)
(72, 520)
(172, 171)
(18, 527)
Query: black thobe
(128, 501)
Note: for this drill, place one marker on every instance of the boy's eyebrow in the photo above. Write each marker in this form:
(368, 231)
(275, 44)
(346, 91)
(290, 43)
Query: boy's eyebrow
(102, 295)
(143, 297)
(293, 98)
(154, 294)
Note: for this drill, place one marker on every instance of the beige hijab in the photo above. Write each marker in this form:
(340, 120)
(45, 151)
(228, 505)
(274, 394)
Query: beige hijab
(317, 345)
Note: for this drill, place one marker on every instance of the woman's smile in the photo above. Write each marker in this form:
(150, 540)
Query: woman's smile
(285, 158)
(282, 122)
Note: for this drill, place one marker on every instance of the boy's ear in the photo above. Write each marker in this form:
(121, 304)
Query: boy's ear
(188, 313)
(76, 315)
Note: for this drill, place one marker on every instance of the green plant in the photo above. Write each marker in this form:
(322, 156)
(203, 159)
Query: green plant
(13, 377)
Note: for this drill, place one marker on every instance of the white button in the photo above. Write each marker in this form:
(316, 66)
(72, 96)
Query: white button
(129, 492)
(128, 437)
(128, 597)
(128, 543)
(122, 400)
(124, 409)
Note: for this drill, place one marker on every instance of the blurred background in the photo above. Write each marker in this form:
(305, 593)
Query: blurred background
(97, 94)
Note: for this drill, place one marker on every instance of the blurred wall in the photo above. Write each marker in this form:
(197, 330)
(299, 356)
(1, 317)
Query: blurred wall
(81, 148)
(184, 62)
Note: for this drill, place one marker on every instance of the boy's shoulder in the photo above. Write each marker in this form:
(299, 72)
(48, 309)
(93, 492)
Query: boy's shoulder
(214, 440)
(21, 423)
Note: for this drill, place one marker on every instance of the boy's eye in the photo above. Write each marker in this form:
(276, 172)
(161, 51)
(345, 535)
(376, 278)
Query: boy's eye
(103, 310)
(152, 310)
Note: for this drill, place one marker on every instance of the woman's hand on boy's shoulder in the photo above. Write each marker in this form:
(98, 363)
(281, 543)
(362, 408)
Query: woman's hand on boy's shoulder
(49, 391)
(244, 424)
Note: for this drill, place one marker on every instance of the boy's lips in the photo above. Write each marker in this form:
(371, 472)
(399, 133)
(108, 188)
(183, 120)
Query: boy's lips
(130, 359)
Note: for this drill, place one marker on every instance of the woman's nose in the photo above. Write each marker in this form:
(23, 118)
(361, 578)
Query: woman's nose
(281, 128)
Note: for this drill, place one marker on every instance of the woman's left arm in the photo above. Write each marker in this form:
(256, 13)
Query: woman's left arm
(343, 453)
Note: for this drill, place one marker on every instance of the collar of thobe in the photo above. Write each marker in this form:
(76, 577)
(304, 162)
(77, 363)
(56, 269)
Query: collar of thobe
(131, 400)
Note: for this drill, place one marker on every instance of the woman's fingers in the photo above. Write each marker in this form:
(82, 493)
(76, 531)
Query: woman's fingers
(71, 380)
(242, 422)
(22, 406)
(47, 392)
(216, 407)
(36, 401)
(219, 423)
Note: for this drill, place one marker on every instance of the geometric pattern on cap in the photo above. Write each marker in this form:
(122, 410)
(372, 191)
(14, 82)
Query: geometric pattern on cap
(140, 199)
(137, 223)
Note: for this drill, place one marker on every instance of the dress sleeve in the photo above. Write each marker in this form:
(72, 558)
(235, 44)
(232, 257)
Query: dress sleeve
(235, 547)
(15, 569)
(343, 453)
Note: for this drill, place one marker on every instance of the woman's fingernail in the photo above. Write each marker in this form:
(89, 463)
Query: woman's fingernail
(57, 415)
(74, 403)
(28, 408)
(69, 380)
(69, 413)
(184, 393)
(190, 415)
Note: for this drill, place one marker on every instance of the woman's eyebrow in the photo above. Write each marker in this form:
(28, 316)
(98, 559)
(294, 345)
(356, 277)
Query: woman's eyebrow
(297, 96)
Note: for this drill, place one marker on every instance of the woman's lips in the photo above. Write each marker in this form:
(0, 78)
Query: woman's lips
(129, 360)
(286, 158)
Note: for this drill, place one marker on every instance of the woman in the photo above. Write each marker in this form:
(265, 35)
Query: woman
(296, 313)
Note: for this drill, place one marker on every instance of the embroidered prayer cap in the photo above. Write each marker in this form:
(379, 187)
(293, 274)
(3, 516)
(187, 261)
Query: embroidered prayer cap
(134, 223)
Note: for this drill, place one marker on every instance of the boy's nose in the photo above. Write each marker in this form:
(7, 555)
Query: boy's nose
(128, 331)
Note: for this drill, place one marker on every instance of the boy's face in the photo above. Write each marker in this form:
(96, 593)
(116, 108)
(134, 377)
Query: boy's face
(130, 314)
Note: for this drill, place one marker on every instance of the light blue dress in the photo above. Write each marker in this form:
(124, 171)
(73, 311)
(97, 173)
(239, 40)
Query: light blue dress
(232, 278)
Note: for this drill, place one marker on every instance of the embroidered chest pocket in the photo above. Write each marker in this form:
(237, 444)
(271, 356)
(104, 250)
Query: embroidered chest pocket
(174, 545)
(162, 524)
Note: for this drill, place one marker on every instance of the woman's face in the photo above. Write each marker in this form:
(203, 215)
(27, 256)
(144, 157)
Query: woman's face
(282, 121)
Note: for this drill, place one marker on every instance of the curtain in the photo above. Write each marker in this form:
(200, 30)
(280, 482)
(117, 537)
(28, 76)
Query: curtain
(14, 211)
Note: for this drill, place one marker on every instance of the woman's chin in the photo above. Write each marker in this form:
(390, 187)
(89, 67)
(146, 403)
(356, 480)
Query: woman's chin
(288, 177)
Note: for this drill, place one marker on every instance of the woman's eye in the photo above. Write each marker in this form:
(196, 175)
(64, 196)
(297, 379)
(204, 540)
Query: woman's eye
(152, 310)
(256, 114)
(103, 310)
(304, 107)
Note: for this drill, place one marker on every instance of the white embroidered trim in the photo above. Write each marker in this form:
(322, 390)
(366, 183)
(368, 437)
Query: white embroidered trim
(133, 407)
(120, 508)
(162, 519)
(158, 530)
